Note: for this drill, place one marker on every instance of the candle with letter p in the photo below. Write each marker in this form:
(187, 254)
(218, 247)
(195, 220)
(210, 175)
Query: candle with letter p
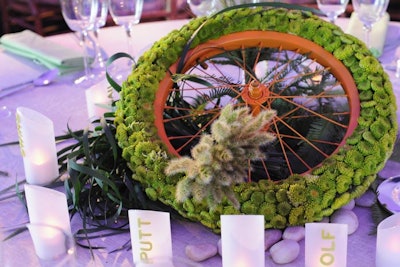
(38, 146)
(151, 238)
(388, 242)
(325, 245)
(242, 240)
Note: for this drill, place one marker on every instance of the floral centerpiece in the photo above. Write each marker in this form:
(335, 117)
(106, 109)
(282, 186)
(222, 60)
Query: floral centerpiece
(292, 200)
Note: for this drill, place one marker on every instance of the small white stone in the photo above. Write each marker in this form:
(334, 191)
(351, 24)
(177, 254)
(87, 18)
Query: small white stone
(285, 251)
(366, 200)
(201, 252)
(350, 205)
(346, 217)
(324, 220)
(295, 233)
(271, 237)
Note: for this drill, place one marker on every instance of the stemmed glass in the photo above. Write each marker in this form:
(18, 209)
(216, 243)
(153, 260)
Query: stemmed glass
(80, 16)
(332, 8)
(126, 13)
(99, 60)
(202, 7)
(4, 112)
(369, 12)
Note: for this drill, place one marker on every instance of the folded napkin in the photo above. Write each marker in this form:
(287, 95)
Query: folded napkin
(378, 33)
(52, 55)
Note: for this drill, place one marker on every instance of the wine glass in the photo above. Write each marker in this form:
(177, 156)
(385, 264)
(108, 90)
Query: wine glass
(332, 8)
(80, 16)
(4, 112)
(202, 7)
(99, 62)
(369, 12)
(126, 13)
(222, 4)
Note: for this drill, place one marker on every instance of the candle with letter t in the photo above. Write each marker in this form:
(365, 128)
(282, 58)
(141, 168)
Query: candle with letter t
(38, 146)
(151, 238)
(325, 245)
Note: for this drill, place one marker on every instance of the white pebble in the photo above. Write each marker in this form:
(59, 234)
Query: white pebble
(271, 237)
(201, 252)
(285, 251)
(366, 200)
(219, 245)
(350, 205)
(346, 217)
(324, 220)
(295, 233)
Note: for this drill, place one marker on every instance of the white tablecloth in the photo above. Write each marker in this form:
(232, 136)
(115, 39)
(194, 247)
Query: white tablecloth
(65, 104)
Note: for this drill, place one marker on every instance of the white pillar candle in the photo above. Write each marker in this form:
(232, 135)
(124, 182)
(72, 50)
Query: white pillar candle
(388, 242)
(38, 147)
(325, 244)
(151, 238)
(50, 242)
(98, 99)
(242, 240)
(48, 207)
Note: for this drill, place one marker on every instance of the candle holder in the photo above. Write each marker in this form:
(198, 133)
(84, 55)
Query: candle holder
(151, 238)
(325, 244)
(242, 238)
(53, 246)
(38, 146)
(50, 227)
(98, 99)
(388, 242)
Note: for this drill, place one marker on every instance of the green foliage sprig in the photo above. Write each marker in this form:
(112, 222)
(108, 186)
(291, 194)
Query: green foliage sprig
(220, 159)
(99, 184)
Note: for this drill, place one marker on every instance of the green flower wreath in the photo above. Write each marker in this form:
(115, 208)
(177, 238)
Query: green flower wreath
(300, 198)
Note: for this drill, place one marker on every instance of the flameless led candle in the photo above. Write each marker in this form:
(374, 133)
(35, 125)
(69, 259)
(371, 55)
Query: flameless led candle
(388, 242)
(47, 208)
(98, 99)
(49, 241)
(242, 240)
(151, 238)
(325, 244)
(38, 146)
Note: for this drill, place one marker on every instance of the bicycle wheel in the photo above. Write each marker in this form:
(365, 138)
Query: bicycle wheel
(314, 93)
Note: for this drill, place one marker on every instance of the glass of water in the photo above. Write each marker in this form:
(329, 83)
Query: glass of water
(332, 8)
